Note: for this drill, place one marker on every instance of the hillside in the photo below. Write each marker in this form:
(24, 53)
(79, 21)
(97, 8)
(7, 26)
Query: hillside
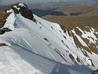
(68, 9)
(92, 13)
(74, 21)
(3, 17)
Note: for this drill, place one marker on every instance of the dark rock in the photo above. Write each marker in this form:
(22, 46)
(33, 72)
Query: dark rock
(15, 10)
(46, 39)
(24, 11)
(78, 59)
(3, 30)
(72, 57)
(27, 13)
(2, 44)
(95, 72)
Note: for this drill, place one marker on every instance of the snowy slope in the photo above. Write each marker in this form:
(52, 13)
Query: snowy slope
(42, 47)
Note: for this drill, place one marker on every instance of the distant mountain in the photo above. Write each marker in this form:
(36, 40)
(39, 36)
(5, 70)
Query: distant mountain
(41, 12)
(68, 9)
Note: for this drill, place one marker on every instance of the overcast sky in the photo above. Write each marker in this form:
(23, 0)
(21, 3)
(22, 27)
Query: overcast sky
(6, 2)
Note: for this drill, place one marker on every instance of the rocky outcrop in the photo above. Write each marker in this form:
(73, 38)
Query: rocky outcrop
(3, 30)
(95, 72)
(23, 10)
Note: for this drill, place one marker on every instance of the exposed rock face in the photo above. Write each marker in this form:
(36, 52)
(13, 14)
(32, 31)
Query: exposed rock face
(95, 72)
(2, 44)
(3, 30)
(3, 16)
(24, 10)
(17, 8)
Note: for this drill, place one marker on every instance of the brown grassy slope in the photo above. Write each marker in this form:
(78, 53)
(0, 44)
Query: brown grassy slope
(74, 21)
(70, 22)
(3, 17)
(93, 12)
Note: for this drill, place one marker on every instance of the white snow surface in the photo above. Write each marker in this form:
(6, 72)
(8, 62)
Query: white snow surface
(89, 35)
(10, 21)
(81, 41)
(41, 47)
(10, 11)
(21, 4)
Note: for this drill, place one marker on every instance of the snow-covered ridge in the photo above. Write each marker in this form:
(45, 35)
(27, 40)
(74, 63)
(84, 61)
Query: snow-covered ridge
(42, 47)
